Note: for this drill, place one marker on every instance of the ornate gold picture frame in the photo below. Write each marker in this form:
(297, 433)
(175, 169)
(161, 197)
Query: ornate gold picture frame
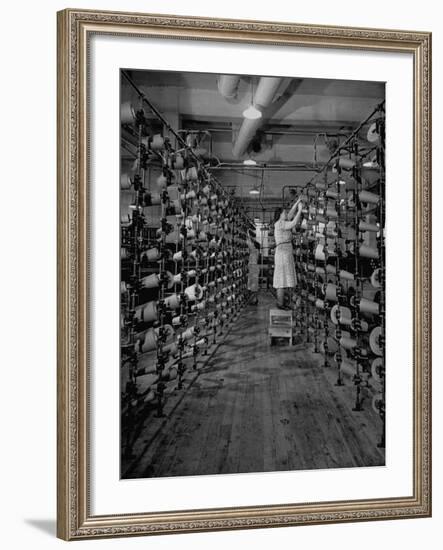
(75, 29)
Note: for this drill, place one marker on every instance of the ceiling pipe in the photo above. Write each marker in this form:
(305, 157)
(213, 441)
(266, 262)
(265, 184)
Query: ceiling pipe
(228, 84)
(264, 94)
(266, 90)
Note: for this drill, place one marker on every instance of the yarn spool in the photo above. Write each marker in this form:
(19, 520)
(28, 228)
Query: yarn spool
(125, 220)
(331, 212)
(373, 136)
(378, 370)
(375, 339)
(178, 256)
(304, 224)
(146, 313)
(152, 254)
(192, 174)
(194, 292)
(173, 301)
(375, 278)
(173, 237)
(346, 275)
(179, 320)
(362, 325)
(157, 142)
(177, 162)
(368, 252)
(127, 113)
(146, 341)
(198, 307)
(125, 182)
(162, 181)
(206, 190)
(319, 304)
(188, 333)
(378, 403)
(171, 348)
(332, 194)
(330, 291)
(367, 196)
(319, 253)
(189, 195)
(347, 343)
(371, 227)
(347, 163)
(150, 281)
(345, 315)
(367, 306)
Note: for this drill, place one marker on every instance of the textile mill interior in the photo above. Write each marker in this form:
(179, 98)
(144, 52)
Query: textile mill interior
(252, 274)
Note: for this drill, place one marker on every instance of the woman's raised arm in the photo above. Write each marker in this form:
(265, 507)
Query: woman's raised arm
(293, 209)
(292, 223)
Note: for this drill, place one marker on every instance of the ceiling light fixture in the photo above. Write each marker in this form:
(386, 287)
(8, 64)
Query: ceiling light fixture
(249, 162)
(252, 113)
(254, 191)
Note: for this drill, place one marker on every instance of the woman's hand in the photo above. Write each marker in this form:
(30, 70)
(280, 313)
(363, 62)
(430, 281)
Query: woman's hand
(296, 203)
(300, 205)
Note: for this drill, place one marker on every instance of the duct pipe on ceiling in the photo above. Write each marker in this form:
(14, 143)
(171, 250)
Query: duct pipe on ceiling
(264, 94)
(266, 90)
(228, 84)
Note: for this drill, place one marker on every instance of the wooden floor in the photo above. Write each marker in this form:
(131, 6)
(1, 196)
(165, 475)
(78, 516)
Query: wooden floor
(257, 408)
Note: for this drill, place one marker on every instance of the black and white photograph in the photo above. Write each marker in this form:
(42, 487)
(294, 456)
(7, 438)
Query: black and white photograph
(252, 273)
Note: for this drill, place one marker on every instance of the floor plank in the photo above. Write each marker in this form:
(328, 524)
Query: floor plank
(256, 407)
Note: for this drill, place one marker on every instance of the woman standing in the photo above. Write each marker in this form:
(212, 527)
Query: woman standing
(284, 267)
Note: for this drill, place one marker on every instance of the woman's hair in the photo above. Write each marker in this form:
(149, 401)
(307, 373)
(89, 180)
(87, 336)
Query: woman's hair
(277, 213)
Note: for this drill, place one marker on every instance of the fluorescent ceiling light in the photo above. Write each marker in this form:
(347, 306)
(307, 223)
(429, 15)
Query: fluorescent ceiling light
(249, 162)
(254, 191)
(252, 112)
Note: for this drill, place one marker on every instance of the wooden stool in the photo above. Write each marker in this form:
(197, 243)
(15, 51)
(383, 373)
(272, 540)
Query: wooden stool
(280, 324)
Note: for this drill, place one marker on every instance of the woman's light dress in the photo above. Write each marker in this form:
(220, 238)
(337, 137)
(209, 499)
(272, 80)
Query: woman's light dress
(284, 267)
